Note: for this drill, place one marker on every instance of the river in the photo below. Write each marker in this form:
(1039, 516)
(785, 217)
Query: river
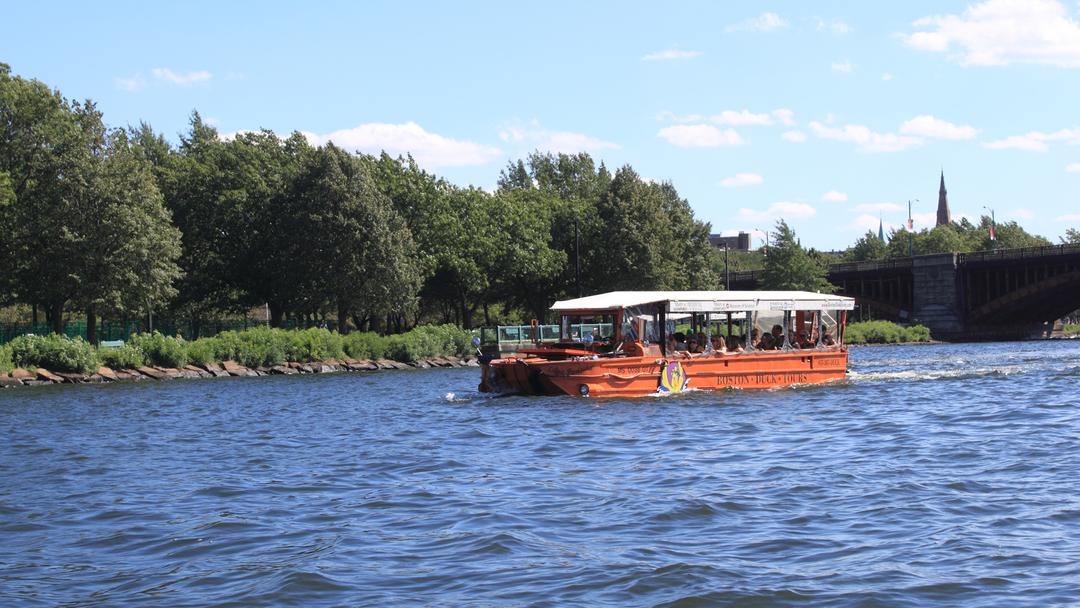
(935, 475)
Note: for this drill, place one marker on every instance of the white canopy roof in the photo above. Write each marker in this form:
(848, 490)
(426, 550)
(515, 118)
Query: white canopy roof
(708, 301)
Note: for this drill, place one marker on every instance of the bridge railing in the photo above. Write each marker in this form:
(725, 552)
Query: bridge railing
(1022, 253)
(841, 267)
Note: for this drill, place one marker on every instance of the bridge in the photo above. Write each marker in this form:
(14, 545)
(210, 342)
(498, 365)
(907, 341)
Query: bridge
(986, 295)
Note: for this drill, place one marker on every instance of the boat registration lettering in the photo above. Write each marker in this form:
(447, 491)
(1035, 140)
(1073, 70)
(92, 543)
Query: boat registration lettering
(828, 361)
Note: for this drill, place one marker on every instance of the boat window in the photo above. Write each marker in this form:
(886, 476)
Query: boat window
(575, 327)
(633, 319)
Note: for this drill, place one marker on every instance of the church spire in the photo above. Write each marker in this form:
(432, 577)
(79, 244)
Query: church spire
(943, 215)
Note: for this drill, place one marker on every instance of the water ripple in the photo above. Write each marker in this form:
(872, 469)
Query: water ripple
(935, 475)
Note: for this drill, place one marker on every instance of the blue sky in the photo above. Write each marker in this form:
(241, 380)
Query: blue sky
(827, 113)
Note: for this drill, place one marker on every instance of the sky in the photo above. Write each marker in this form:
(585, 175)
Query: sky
(830, 115)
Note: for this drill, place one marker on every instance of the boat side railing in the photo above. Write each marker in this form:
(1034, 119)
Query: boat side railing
(526, 334)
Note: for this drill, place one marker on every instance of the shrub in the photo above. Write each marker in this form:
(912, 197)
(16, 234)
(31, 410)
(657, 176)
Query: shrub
(201, 351)
(163, 351)
(884, 332)
(1071, 329)
(365, 345)
(126, 356)
(53, 352)
(314, 344)
(5, 359)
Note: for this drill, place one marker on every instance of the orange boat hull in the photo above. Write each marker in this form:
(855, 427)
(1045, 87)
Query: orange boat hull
(647, 375)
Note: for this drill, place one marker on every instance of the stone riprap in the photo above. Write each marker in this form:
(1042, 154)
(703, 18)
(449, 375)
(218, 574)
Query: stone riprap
(41, 376)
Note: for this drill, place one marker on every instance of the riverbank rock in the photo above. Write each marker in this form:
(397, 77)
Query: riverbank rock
(471, 362)
(47, 376)
(283, 370)
(150, 372)
(21, 374)
(6, 380)
(73, 377)
(107, 374)
(201, 373)
(362, 365)
(235, 369)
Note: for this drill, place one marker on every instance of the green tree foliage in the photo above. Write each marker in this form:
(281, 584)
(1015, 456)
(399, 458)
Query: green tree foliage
(87, 224)
(127, 244)
(962, 237)
(790, 267)
(373, 267)
(1072, 236)
(868, 248)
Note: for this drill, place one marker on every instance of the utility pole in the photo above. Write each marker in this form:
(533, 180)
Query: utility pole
(577, 257)
(727, 271)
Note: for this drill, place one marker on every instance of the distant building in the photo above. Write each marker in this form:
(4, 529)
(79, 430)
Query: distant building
(943, 215)
(739, 243)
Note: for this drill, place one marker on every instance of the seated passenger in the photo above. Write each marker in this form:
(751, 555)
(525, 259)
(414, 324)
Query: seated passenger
(718, 344)
(827, 339)
(693, 347)
(680, 341)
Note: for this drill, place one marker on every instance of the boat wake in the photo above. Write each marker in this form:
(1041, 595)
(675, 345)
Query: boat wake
(939, 374)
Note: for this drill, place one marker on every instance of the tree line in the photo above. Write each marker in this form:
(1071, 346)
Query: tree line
(114, 222)
(117, 222)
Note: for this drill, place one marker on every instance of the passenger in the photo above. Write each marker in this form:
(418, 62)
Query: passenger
(719, 345)
(826, 338)
(680, 341)
(671, 346)
(694, 347)
(735, 344)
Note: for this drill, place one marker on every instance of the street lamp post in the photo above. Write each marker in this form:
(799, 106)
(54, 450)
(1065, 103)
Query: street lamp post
(766, 233)
(993, 227)
(727, 273)
(910, 229)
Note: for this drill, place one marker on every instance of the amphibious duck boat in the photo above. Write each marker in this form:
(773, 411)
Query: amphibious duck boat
(637, 343)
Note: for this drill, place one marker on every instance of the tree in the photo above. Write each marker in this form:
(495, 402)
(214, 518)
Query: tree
(44, 151)
(868, 248)
(789, 267)
(127, 245)
(1072, 236)
(361, 251)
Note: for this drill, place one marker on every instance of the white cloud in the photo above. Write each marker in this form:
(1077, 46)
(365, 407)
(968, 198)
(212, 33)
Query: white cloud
(776, 211)
(834, 26)
(1034, 141)
(794, 136)
(879, 207)
(765, 22)
(785, 116)
(844, 67)
(700, 136)
(929, 126)
(1073, 167)
(181, 80)
(834, 196)
(741, 118)
(132, 84)
(1068, 217)
(539, 138)
(1002, 32)
(886, 76)
(867, 140)
(670, 54)
(430, 150)
(742, 179)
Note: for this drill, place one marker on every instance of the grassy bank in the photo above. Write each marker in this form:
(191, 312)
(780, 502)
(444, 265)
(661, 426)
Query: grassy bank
(255, 347)
(1072, 329)
(884, 332)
